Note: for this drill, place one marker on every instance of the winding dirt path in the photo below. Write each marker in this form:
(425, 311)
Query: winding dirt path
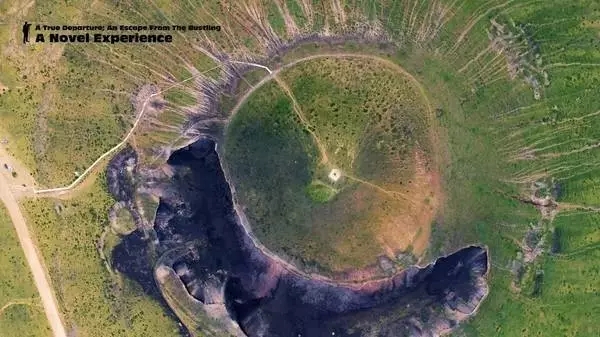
(303, 119)
(26, 301)
(273, 75)
(106, 154)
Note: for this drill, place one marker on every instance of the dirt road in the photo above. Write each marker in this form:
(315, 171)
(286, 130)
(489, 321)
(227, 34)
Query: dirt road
(34, 261)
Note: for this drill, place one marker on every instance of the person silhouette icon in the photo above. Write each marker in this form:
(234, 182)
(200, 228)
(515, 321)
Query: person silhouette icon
(26, 27)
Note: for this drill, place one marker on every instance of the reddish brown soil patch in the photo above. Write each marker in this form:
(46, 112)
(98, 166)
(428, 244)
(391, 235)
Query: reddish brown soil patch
(384, 220)
(411, 225)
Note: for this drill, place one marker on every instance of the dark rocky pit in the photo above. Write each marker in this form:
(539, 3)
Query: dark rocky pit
(265, 297)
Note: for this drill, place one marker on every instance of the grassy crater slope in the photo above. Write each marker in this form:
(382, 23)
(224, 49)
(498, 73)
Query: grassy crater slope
(331, 161)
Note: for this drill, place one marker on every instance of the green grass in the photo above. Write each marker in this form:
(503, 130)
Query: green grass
(296, 12)
(68, 104)
(276, 19)
(273, 159)
(320, 192)
(149, 205)
(377, 119)
(268, 126)
(180, 97)
(22, 313)
(61, 117)
(369, 132)
(92, 300)
(488, 121)
(566, 306)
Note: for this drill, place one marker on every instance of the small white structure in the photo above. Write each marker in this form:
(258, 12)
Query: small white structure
(335, 175)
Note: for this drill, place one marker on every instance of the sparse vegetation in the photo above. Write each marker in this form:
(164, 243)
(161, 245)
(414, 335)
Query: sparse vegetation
(21, 312)
(290, 135)
(93, 301)
(189, 310)
(180, 97)
(123, 223)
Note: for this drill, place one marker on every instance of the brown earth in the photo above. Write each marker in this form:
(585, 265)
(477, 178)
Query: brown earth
(412, 225)
(396, 223)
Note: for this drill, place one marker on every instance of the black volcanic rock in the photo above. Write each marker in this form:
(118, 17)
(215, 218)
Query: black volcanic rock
(268, 298)
(131, 257)
(118, 174)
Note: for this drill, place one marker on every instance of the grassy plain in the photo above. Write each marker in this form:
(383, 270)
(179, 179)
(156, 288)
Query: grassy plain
(94, 301)
(63, 105)
(58, 114)
(289, 137)
(21, 311)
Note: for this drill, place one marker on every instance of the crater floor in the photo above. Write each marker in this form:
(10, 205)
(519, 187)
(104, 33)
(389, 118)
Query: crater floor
(331, 162)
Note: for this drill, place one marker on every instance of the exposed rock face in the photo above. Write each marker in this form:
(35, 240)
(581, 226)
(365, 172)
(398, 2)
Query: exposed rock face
(119, 175)
(267, 299)
(131, 255)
